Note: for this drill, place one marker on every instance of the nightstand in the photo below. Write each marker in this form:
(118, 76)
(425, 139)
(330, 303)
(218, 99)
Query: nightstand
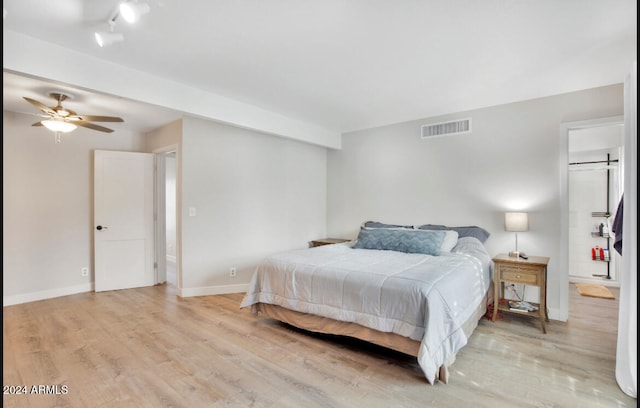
(327, 241)
(531, 272)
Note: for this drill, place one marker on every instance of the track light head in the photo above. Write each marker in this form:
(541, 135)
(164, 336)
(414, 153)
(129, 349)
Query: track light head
(131, 11)
(105, 39)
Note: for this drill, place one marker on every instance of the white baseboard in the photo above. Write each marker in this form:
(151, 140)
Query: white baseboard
(554, 314)
(88, 287)
(46, 294)
(595, 281)
(213, 290)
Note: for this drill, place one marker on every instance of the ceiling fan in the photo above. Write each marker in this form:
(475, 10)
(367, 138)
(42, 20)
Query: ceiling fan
(61, 119)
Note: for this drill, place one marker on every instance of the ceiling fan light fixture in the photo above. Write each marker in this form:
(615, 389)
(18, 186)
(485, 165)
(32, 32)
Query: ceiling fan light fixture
(104, 38)
(58, 125)
(131, 11)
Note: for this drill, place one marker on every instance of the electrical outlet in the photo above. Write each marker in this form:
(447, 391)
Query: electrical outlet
(232, 272)
(85, 271)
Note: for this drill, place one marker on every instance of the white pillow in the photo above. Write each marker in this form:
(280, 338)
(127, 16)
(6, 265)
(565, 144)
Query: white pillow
(450, 240)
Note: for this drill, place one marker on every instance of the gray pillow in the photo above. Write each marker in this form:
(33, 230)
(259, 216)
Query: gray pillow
(470, 231)
(376, 224)
(402, 240)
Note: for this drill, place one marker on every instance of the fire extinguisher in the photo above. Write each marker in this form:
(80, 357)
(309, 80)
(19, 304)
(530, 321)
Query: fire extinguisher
(593, 253)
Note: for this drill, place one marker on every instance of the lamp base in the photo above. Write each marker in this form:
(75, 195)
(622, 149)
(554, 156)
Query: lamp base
(514, 254)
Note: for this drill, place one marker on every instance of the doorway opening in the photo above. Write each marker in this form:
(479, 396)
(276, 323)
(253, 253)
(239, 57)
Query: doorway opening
(166, 217)
(170, 215)
(563, 258)
(595, 187)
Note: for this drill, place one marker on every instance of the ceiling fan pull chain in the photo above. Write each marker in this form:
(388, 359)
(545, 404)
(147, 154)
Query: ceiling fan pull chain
(57, 137)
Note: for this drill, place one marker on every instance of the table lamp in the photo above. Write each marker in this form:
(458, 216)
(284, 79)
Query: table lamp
(516, 222)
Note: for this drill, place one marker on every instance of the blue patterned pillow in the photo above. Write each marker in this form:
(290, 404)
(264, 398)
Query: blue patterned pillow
(401, 240)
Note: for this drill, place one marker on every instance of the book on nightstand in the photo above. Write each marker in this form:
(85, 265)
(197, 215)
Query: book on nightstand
(523, 307)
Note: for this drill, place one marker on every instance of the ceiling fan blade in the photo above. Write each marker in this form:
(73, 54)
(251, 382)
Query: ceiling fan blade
(93, 118)
(41, 106)
(39, 114)
(90, 125)
(37, 124)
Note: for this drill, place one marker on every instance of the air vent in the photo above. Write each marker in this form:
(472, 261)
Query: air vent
(457, 127)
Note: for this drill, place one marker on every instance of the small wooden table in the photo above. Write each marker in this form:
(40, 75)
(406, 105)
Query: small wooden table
(328, 241)
(532, 272)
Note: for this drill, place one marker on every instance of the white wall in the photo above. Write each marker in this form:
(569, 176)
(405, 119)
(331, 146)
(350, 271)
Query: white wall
(253, 194)
(47, 197)
(509, 161)
(256, 194)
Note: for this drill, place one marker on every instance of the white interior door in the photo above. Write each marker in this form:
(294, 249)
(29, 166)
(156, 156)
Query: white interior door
(123, 220)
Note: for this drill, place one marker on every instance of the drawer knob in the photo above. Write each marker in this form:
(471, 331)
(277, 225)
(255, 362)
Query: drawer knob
(518, 276)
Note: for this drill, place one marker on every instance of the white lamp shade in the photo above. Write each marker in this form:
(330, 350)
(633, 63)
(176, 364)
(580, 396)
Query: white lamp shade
(103, 38)
(516, 221)
(58, 125)
(131, 11)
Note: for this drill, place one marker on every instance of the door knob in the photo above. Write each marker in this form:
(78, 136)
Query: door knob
(100, 227)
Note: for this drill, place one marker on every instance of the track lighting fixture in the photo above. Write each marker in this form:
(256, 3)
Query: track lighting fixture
(107, 38)
(132, 10)
(104, 38)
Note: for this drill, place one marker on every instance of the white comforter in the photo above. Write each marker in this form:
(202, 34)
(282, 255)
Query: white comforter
(423, 297)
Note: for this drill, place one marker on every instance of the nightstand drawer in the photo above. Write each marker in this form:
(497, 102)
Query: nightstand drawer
(520, 274)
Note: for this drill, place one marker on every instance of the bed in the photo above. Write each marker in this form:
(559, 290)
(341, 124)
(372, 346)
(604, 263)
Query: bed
(420, 291)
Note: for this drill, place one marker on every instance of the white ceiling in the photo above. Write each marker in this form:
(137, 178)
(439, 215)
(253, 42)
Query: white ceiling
(341, 65)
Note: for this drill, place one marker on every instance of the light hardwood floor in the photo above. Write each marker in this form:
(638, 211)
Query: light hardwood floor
(148, 348)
